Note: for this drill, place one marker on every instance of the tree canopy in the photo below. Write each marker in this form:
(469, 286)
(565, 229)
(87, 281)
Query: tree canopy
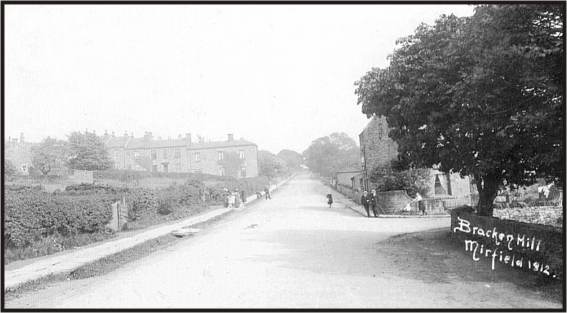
(480, 95)
(292, 159)
(87, 152)
(49, 154)
(332, 153)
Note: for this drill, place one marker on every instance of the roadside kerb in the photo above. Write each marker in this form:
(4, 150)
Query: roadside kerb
(65, 263)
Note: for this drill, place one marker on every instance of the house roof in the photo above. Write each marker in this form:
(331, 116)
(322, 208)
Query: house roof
(116, 142)
(142, 143)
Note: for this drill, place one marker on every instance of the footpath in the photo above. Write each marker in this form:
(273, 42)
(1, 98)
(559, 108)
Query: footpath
(67, 261)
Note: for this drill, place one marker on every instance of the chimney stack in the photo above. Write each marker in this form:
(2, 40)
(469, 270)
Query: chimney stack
(188, 138)
(21, 137)
(230, 137)
(147, 135)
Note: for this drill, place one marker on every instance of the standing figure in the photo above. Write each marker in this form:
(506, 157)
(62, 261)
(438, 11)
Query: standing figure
(243, 196)
(329, 199)
(231, 200)
(267, 193)
(364, 200)
(372, 199)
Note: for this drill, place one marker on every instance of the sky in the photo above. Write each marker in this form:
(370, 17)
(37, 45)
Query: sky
(277, 75)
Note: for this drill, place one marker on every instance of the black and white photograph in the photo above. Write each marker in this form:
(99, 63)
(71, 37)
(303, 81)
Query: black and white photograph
(283, 155)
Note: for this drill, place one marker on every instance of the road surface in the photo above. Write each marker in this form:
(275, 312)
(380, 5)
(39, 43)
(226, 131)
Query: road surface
(288, 252)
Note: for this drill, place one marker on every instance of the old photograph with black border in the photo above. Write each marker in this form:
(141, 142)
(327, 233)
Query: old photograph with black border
(277, 156)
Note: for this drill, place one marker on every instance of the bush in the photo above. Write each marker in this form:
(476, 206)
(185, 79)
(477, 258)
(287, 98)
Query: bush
(93, 188)
(412, 181)
(142, 202)
(32, 215)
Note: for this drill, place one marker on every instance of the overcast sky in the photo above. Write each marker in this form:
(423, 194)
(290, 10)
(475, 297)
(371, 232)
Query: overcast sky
(280, 76)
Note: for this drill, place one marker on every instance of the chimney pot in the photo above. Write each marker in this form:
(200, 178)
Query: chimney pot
(230, 137)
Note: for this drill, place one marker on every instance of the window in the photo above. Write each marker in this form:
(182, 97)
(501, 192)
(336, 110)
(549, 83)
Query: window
(164, 153)
(197, 157)
(154, 168)
(442, 184)
(154, 155)
(136, 154)
(221, 156)
(243, 172)
(241, 154)
(221, 171)
(178, 153)
(165, 167)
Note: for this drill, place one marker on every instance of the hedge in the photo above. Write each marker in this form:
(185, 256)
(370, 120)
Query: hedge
(32, 215)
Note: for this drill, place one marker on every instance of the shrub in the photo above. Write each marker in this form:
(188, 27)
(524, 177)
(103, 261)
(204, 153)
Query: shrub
(412, 181)
(32, 215)
(94, 188)
(142, 202)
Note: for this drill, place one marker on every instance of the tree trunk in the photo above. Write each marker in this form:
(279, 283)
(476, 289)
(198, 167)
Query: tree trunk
(487, 190)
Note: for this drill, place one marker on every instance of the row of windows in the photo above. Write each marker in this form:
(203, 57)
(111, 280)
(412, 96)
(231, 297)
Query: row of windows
(165, 153)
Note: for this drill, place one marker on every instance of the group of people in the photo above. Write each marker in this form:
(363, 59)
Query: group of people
(267, 194)
(235, 198)
(369, 202)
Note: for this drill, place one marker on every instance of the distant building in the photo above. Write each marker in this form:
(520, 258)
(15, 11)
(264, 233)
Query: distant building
(181, 155)
(377, 149)
(18, 152)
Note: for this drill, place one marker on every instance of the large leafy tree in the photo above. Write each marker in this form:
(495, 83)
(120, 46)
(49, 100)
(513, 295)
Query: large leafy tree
(49, 154)
(87, 152)
(332, 153)
(478, 95)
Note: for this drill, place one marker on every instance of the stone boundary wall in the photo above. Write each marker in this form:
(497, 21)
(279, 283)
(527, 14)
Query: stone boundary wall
(546, 215)
(527, 247)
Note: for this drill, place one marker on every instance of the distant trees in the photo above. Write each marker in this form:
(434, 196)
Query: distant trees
(332, 153)
(292, 159)
(481, 96)
(270, 165)
(87, 152)
(49, 154)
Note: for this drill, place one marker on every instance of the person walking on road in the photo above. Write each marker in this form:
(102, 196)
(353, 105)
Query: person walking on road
(267, 193)
(364, 200)
(329, 199)
(373, 203)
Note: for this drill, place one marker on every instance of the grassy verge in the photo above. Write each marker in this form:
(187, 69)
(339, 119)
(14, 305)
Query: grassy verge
(107, 264)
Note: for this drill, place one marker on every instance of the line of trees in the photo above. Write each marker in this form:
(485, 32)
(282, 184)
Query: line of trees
(480, 95)
(81, 151)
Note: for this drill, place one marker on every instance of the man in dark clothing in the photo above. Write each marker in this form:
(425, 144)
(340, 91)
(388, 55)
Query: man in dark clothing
(364, 200)
(243, 196)
(267, 193)
(372, 200)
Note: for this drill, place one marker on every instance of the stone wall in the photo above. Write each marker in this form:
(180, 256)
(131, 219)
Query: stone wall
(550, 215)
(532, 248)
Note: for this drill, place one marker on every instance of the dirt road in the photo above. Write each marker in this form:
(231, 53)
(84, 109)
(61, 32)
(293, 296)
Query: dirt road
(288, 252)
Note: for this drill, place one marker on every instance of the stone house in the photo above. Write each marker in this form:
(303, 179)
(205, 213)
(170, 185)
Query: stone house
(181, 155)
(378, 150)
